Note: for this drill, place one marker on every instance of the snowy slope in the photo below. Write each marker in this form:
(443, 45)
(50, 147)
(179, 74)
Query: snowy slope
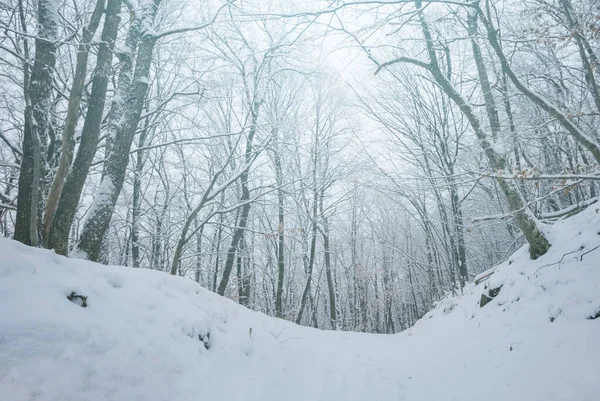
(138, 338)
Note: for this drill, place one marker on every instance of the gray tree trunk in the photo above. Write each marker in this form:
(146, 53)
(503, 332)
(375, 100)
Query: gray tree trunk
(538, 244)
(73, 186)
(68, 134)
(328, 269)
(38, 102)
(280, 228)
(590, 144)
(243, 221)
(313, 238)
(115, 165)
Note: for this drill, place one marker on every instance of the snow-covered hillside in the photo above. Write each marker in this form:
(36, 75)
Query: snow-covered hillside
(144, 336)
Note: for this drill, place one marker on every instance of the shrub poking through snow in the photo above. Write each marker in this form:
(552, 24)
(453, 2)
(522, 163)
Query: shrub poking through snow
(205, 338)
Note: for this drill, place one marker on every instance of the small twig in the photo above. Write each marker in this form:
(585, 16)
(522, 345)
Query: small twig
(560, 261)
(276, 336)
(591, 250)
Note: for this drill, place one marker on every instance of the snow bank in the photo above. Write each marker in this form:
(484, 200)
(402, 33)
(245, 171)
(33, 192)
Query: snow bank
(143, 334)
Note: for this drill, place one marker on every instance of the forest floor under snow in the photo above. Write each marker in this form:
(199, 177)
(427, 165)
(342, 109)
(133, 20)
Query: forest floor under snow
(139, 337)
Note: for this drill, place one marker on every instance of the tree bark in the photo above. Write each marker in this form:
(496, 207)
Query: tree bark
(38, 101)
(115, 165)
(68, 134)
(328, 270)
(589, 143)
(486, 88)
(243, 222)
(538, 244)
(280, 229)
(73, 186)
(136, 201)
(313, 238)
(586, 52)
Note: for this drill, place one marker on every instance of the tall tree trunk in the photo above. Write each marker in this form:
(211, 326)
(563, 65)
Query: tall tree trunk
(218, 234)
(38, 102)
(511, 122)
(242, 275)
(313, 238)
(115, 166)
(239, 231)
(73, 186)
(199, 232)
(486, 87)
(68, 134)
(137, 197)
(328, 272)
(538, 244)
(280, 229)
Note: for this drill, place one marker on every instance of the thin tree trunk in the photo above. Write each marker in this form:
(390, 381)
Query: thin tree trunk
(328, 272)
(486, 87)
(136, 202)
(238, 233)
(313, 240)
(218, 256)
(199, 233)
(538, 244)
(280, 231)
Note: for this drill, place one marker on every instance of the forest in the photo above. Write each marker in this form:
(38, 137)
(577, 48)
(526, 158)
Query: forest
(338, 164)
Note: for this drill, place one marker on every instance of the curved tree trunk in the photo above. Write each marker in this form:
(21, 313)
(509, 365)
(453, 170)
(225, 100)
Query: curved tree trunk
(588, 142)
(538, 244)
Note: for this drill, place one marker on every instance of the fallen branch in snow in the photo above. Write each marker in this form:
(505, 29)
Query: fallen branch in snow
(276, 336)
(75, 296)
(561, 259)
(484, 275)
(569, 211)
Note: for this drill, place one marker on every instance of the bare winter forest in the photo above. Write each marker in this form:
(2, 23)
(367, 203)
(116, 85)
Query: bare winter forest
(339, 164)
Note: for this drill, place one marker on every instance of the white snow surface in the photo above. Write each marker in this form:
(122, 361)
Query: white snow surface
(138, 337)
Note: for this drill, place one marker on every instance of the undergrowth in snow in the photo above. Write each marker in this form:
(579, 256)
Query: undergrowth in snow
(144, 335)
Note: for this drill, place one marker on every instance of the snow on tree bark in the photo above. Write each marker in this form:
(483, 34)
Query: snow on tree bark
(73, 186)
(115, 166)
(38, 102)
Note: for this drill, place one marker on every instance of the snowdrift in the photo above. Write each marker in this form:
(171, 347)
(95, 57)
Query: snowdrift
(144, 335)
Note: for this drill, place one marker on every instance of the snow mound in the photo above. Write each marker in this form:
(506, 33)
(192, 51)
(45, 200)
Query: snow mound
(144, 335)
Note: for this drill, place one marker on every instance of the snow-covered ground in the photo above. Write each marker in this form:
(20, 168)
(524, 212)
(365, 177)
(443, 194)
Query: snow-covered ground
(139, 337)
